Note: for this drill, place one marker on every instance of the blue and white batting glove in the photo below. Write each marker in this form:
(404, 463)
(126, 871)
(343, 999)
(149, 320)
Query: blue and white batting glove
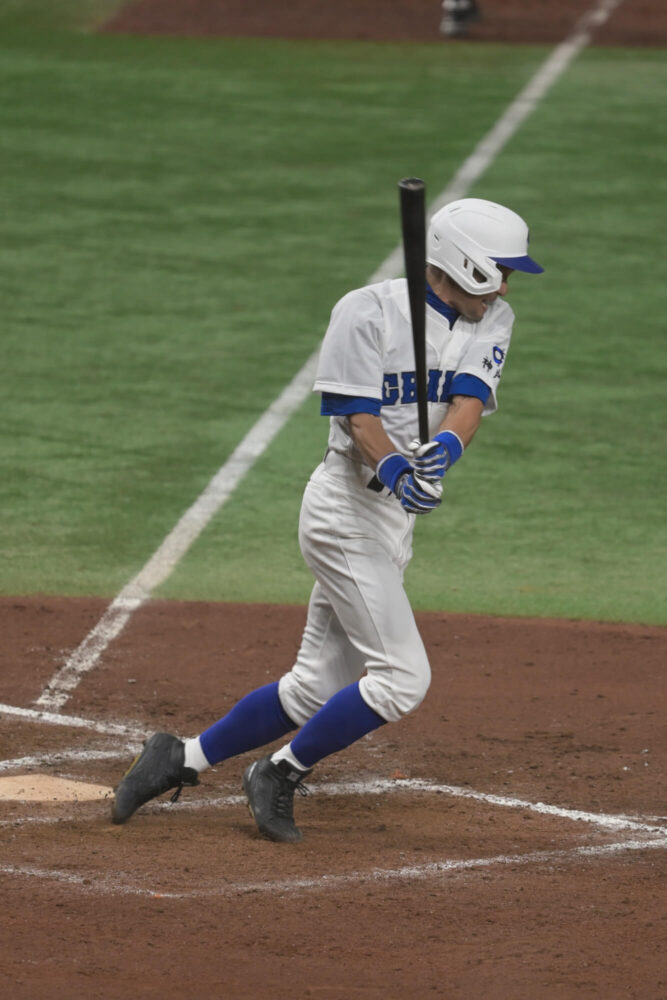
(431, 460)
(416, 494)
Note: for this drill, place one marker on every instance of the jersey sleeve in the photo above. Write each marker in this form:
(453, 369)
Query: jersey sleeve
(484, 359)
(351, 360)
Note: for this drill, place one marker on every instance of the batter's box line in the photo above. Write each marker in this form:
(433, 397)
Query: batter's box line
(382, 786)
(74, 722)
(55, 757)
(608, 821)
(613, 822)
(93, 883)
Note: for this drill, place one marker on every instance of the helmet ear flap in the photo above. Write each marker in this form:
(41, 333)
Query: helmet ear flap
(472, 271)
(463, 261)
(471, 268)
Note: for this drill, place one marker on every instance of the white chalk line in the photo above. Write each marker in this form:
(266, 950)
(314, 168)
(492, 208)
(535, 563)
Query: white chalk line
(66, 756)
(381, 786)
(370, 787)
(609, 821)
(50, 758)
(73, 721)
(122, 884)
(489, 147)
(179, 540)
(526, 102)
(196, 518)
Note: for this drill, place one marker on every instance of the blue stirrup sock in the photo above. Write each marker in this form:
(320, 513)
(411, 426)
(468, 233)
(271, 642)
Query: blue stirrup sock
(257, 719)
(343, 720)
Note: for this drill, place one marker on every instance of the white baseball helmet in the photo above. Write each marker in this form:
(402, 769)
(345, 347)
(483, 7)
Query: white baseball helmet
(469, 237)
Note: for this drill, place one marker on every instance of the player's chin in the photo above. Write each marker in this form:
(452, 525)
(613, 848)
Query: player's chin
(479, 308)
(476, 313)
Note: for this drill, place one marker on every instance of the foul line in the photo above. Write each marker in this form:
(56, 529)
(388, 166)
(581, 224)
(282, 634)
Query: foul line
(195, 519)
(514, 116)
(119, 884)
(179, 540)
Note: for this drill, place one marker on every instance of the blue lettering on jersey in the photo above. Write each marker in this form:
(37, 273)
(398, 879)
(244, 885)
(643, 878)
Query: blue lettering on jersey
(390, 390)
(498, 355)
(409, 380)
(437, 392)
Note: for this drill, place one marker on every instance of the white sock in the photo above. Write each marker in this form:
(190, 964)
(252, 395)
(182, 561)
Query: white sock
(285, 753)
(195, 756)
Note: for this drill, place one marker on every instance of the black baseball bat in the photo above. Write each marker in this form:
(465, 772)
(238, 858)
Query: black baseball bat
(412, 192)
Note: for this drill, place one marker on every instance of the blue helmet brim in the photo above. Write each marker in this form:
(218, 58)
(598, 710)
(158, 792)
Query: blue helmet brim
(526, 264)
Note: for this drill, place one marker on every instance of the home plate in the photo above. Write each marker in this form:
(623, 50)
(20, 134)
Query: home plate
(44, 788)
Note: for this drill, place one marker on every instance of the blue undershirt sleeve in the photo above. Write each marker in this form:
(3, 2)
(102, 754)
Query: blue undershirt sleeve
(469, 385)
(335, 405)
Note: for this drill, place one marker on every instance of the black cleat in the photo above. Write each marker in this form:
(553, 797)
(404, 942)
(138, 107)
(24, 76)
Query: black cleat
(155, 770)
(270, 791)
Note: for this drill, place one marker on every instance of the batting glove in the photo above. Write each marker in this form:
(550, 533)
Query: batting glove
(416, 494)
(431, 460)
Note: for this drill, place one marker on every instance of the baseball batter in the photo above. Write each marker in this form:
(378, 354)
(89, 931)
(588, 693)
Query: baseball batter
(362, 662)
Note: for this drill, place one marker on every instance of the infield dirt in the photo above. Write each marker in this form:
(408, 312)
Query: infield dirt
(635, 22)
(187, 900)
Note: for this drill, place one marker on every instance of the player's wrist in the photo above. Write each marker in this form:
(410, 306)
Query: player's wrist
(453, 445)
(390, 469)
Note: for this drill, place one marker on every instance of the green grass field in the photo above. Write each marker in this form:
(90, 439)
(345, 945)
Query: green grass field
(179, 218)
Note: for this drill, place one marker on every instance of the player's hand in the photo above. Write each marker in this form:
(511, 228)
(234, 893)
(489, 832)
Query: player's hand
(432, 459)
(418, 495)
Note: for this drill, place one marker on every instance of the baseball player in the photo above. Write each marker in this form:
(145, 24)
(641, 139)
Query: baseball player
(362, 663)
(457, 15)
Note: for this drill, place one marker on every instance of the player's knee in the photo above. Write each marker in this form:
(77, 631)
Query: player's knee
(301, 699)
(395, 693)
(414, 693)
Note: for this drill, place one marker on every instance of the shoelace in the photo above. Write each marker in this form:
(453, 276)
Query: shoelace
(181, 785)
(285, 796)
(176, 795)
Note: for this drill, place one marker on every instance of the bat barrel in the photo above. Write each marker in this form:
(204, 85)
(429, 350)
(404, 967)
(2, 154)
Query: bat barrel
(412, 191)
